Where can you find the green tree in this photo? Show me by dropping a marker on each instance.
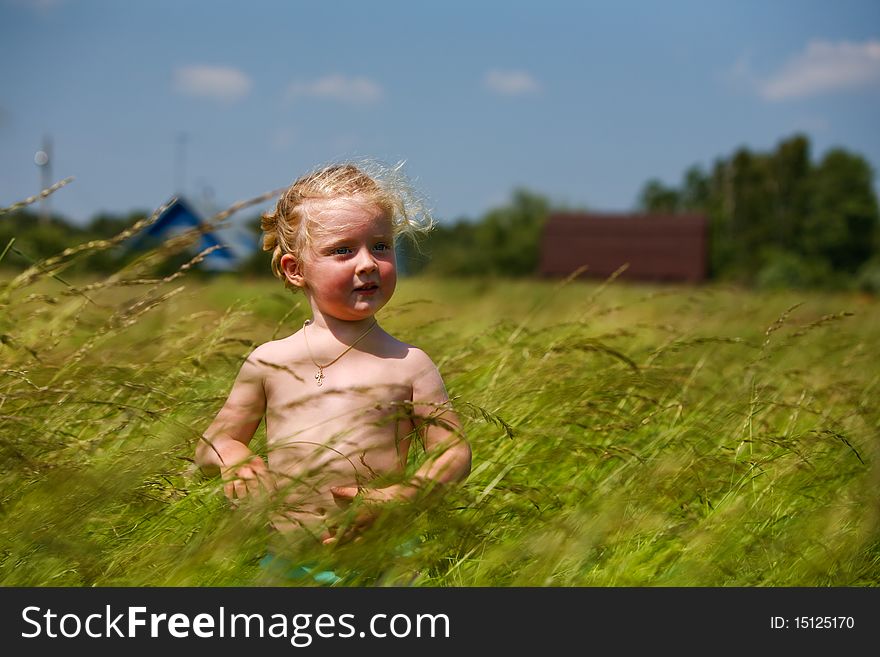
(842, 223)
(657, 198)
(505, 242)
(777, 219)
(790, 174)
(695, 189)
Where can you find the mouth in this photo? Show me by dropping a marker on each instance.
(366, 288)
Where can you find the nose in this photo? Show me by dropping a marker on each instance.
(365, 262)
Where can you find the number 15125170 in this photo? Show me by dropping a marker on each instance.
(824, 622)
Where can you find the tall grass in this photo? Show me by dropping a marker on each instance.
(623, 435)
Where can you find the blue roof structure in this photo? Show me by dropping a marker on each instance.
(180, 217)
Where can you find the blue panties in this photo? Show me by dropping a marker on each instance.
(293, 571)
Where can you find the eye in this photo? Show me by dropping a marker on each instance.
(341, 250)
(381, 246)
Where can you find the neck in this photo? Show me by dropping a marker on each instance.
(342, 329)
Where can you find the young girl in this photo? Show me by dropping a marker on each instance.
(341, 397)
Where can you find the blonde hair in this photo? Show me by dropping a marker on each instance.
(289, 227)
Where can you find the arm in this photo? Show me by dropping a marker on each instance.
(448, 452)
(223, 448)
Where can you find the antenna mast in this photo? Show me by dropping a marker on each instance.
(180, 164)
(43, 159)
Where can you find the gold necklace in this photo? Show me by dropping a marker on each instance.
(319, 375)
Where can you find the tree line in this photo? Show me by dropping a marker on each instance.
(27, 237)
(776, 219)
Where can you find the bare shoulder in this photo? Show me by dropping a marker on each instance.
(421, 371)
(414, 359)
(419, 360)
(275, 353)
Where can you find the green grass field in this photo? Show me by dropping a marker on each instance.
(623, 435)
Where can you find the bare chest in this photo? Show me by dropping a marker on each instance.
(361, 411)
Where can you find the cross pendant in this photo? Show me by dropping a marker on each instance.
(319, 376)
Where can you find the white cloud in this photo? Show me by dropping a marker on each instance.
(215, 82)
(356, 90)
(511, 83)
(825, 67)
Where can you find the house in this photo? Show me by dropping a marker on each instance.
(181, 216)
(655, 247)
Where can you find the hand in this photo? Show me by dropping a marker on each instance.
(249, 479)
(371, 502)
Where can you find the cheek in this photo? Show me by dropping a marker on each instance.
(388, 274)
(391, 285)
(326, 280)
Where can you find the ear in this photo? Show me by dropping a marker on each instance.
(292, 270)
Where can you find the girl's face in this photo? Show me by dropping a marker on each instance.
(350, 271)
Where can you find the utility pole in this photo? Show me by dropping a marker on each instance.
(208, 198)
(180, 164)
(43, 159)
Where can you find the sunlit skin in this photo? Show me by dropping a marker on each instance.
(349, 437)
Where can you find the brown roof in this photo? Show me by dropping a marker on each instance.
(656, 247)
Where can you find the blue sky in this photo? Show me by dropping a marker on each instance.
(580, 101)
